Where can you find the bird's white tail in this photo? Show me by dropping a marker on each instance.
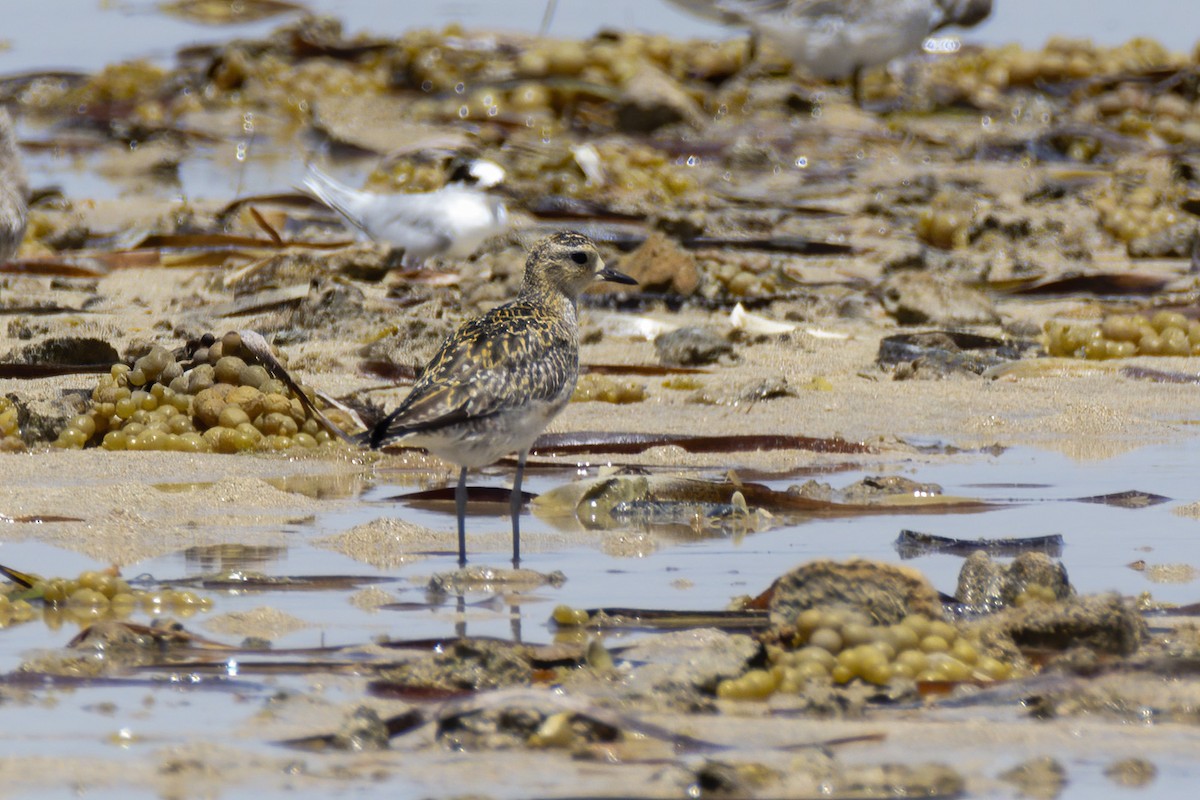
(337, 195)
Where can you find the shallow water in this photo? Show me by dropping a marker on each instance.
(701, 574)
(1101, 541)
(1039, 487)
(96, 33)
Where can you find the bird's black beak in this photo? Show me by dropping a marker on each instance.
(615, 276)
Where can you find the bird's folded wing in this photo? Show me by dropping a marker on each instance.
(415, 221)
(493, 364)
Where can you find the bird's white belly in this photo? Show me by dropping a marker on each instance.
(832, 47)
(478, 443)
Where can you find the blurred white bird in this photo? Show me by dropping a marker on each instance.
(838, 39)
(451, 221)
(14, 191)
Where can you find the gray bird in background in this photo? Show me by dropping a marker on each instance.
(838, 39)
(14, 191)
(452, 221)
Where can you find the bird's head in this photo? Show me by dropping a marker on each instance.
(568, 262)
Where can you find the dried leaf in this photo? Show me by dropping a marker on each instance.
(670, 619)
(33, 371)
(611, 442)
(397, 725)
(258, 346)
(1158, 376)
(1131, 498)
(224, 12)
(640, 369)
(1103, 284)
(911, 544)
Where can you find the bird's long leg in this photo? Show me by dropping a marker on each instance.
(856, 86)
(514, 507)
(460, 507)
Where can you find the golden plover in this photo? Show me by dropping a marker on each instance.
(499, 379)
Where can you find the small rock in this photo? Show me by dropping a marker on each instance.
(687, 661)
(329, 303)
(1041, 778)
(1102, 623)
(378, 123)
(67, 350)
(659, 265)
(41, 418)
(1132, 772)
(885, 592)
(652, 99)
(716, 779)
(1175, 241)
(766, 389)
(986, 585)
(813, 490)
(723, 395)
(363, 730)
(899, 780)
(869, 490)
(691, 346)
(467, 664)
(916, 298)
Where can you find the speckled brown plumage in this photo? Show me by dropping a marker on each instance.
(499, 379)
(14, 191)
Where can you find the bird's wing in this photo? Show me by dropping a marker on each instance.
(750, 10)
(417, 222)
(490, 364)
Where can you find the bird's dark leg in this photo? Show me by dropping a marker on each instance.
(856, 86)
(514, 507)
(460, 507)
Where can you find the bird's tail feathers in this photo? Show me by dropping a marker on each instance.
(335, 194)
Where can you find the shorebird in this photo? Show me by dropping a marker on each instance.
(14, 191)
(838, 39)
(452, 221)
(497, 381)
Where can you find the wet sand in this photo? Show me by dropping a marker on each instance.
(131, 507)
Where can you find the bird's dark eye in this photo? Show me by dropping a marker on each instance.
(579, 257)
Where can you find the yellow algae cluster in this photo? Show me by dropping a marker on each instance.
(297, 87)
(606, 389)
(469, 78)
(220, 404)
(15, 612)
(439, 61)
(10, 432)
(1131, 212)
(980, 72)
(1134, 111)
(1167, 333)
(841, 645)
(641, 171)
(138, 84)
(946, 223)
(737, 281)
(90, 596)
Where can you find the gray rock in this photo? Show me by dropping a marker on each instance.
(916, 298)
(691, 346)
